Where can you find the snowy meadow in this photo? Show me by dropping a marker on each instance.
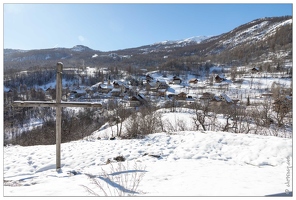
(181, 163)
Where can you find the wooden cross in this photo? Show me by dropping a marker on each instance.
(58, 104)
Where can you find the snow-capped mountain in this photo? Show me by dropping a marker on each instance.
(196, 39)
(257, 39)
(255, 31)
(81, 48)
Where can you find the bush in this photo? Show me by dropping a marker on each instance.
(145, 122)
(120, 181)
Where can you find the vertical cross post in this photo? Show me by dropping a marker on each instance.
(58, 114)
(58, 104)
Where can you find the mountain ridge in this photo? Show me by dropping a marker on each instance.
(253, 39)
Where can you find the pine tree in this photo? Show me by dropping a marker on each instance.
(248, 101)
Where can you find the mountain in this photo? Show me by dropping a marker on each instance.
(259, 40)
(178, 43)
(81, 48)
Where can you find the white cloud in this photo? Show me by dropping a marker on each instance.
(81, 38)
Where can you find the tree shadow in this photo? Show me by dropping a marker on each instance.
(118, 186)
(122, 188)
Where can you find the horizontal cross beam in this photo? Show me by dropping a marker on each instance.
(58, 104)
(54, 104)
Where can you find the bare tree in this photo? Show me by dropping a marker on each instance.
(120, 114)
(150, 121)
(201, 112)
(275, 90)
(145, 122)
(282, 108)
(132, 126)
(262, 113)
(233, 72)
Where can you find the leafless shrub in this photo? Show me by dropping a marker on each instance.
(121, 181)
(145, 122)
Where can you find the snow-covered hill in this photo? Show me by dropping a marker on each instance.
(81, 48)
(255, 32)
(196, 39)
(188, 163)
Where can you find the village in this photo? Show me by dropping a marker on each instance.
(162, 89)
(244, 101)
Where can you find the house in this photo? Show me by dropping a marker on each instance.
(161, 92)
(134, 82)
(116, 92)
(50, 93)
(138, 100)
(181, 96)
(219, 79)
(171, 95)
(49, 90)
(193, 81)
(156, 86)
(135, 101)
(104, 88)
(151, 86)
(176, 80)
(119, 88)
(78, 93)
(216, 100)
(161, 85)
(149, 78)
(207, 96)
(255, 69)
(226, 98)
(116, 84)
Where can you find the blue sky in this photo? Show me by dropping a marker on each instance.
(108, 27)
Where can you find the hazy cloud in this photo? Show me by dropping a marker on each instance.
(81, 38)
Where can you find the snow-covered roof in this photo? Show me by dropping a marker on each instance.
(221, 76)
(80, 91)
(227, 98)
(161, 90)
(193, 79)
(106, 86)
(216, 98)
(139, 97)
(116, 90)
(152, 84)
(161, 81)
(142, 96)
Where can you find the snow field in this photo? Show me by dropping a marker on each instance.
(190, 163)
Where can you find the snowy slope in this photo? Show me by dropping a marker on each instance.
(255, 32)
(196, 39)
(188, 163)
